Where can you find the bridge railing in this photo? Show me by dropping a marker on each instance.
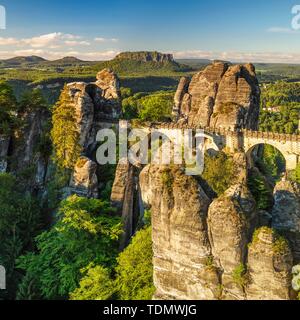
(225, 131)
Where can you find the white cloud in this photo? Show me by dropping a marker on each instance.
(51, 40)
(264, 57)
(8, 41)
(71, 36)
(43, 40)
(283, 30)
(99, 39)
(77, 43)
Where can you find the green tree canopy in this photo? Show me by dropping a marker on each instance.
(8, 108)
(135, 269)
(148, 107)
(20, 220)
(85, 233)
(31, 101)
(133, 275)
(65, 136)
(219, 172)
(97, 284)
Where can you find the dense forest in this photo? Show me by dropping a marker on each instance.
(280, 107)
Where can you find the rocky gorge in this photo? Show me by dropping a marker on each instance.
(206, 246)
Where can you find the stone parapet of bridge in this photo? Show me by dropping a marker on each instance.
(243, 140)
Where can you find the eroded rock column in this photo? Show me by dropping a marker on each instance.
(231, 221)
(270, 264)
(182, 254)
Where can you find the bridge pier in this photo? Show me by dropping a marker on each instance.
(291, 161)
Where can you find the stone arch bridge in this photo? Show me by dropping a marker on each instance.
(245, 140)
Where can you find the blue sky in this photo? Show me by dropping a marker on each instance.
(241, 30)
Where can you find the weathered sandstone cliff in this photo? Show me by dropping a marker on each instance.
(29, 156)
(125, 197)
(201, 247)
(96, 106)
(231, 221)
(222, 95)
(270, 265)
(84, 180)
(182, 253)
(286, 214)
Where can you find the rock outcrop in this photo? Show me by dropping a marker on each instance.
(29, 150)
(231, 221)
(286, 214)
(84, 181)
(270, 267)
(96, 106)
(182, 254)
(4, 145)
(84, 110)
(109, 84)
(125, 198)
(203, 249)
(146, 56)
(95, 103)
(222, 95)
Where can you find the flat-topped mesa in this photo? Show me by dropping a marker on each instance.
(146, 56)
(222, 95)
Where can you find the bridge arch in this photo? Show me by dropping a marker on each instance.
(254, 153)
(289, 149)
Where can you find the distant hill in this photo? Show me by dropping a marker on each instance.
(126, 63)
(39, 62)
(68, 62)
(146, 56)
(22, 61)
(144, 63)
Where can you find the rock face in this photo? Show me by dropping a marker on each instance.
(286, 214)
(28, 154)
(96, 106)
(270, 265)
(146, 56)
(231, 221)
(179, 95)
(203, 249)
(222, 95)
(84, 181)
(182, 253)
(125, 197)
(95, 103)
(4, 145)
(109, 83)
(84, 109)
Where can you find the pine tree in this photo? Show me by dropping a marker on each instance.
(65, 135)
